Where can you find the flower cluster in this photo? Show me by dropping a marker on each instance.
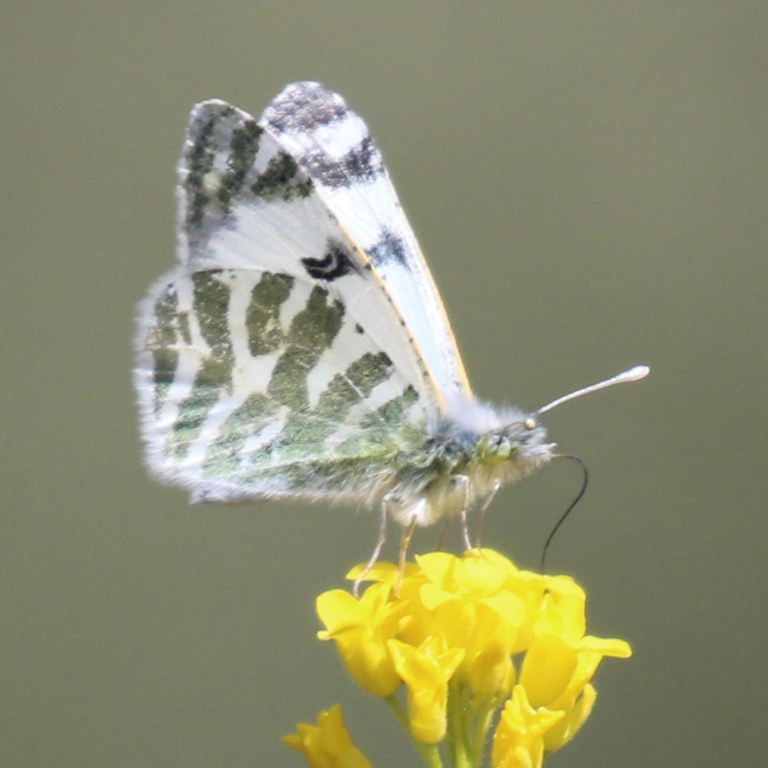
(478, 645)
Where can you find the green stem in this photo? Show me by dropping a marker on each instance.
(480, 735)
(457, 735)
(469, 720)
(429, 753)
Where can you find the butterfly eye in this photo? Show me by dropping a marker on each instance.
(500, 448)
(530, 423)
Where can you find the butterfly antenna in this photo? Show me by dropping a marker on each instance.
(576, 500)
(633, 374)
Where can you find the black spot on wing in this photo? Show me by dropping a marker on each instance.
(362, 164)
(302, 107)
(387, 249)
(335, 263)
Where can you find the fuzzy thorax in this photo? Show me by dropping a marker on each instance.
(470, 456)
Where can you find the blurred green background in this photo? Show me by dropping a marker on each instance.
(588, 181)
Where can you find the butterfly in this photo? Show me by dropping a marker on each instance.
(300, 348)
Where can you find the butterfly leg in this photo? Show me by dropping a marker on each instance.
(443, 532)
(376, 550)
(462, 481)
(405, 542)
(481, 513)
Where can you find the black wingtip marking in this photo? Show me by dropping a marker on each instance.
(362, 164)
(305, 106)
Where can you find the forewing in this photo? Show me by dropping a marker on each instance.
(244, 203)
(332, 144)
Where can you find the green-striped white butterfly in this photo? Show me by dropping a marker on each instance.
(300, 348)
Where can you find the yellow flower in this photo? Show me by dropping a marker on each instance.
(327, 744)
(426, 671)
(519, 739)
(361, 629)
(469, 636)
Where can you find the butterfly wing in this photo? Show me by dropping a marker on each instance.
(334, 146)
(272, 361)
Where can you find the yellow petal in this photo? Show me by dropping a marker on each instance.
(519, 737)
(547, 670)
(437, 567)
(361, 629)
(491, 672)
(327, 744)
(339, 611)
(426, 671)
(561, 733)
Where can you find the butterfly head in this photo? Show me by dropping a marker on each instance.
(523, 440)
(519, 442)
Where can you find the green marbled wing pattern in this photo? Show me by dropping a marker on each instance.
(256, 384)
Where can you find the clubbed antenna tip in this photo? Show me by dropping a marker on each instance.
(633, 374)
